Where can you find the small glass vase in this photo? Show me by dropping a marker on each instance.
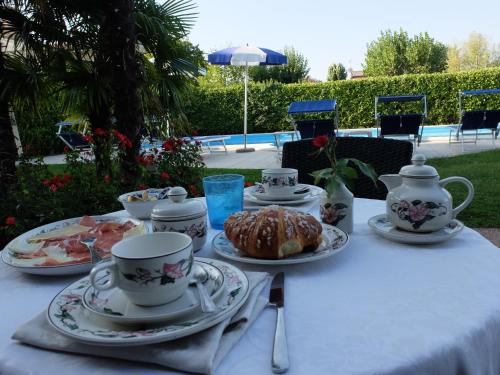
(337, 209)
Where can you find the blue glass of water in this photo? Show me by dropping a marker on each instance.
(224, 195)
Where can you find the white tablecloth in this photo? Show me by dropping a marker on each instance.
(377, 307)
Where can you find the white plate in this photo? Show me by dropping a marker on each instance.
(386, 229)
(254, 191)
(68, 316)
(114, 305)
(28, 265)
(334, 241)
(312, 196)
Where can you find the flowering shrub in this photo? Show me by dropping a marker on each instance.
(40, 197)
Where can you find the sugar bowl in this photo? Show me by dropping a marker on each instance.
(178, 214)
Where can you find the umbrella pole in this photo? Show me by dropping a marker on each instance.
(245, 108)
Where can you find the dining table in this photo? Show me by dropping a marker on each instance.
(376, 307)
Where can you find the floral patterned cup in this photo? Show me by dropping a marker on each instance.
(152, 269)
(279, 181)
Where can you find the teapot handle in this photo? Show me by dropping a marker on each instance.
(470, 193)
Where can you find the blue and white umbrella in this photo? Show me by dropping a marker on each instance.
(246, 56)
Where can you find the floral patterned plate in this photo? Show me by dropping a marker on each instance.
(257, 192)
(115, 306)
(311, 196)
(12, 259)
(334, 241)
(386, 229)
(67, 314)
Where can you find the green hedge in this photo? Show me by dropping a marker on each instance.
(219, 110)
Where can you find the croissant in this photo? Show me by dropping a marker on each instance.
(273, 232)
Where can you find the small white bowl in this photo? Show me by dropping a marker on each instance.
(140, 209)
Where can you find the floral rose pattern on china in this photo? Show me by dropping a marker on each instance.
(418, 212)
(192, 230)
(279, 181)
(332, 213)
(168, 274)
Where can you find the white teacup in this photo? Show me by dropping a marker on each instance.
(152, 269)
(280, 181)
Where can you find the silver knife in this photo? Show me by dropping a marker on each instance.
(280, 361)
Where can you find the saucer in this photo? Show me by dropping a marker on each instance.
(254, 190)
(114, 305)
(386, 229)
(312, 195)
(67, 315)
(334, 241)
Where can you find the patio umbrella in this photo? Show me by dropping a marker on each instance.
(246, 56)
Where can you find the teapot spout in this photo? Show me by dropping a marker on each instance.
(391, 180)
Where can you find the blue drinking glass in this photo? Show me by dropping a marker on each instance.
(224, 195)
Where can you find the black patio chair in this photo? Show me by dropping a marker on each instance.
(385, 155)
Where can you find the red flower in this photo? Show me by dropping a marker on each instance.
(192, 189)
(10, 220)
(53, 188)
(320, 141)
(88, 138)
(124, 140)
(248, 184)
(66, 149)
(66, 178)
(198, 143)
(165, 176)
(195, 132)
(141, 186)
(169, 145)
(100, 132)
(107, 179)
(46, 182)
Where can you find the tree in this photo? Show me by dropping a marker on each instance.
(336, 72)
(394, 53)
(295, 71)
(474, 53)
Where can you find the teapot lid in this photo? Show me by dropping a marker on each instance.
(178, 206)
(418, 169)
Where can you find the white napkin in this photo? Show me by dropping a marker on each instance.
(200, 353)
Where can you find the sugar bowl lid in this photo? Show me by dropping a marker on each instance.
(418, 169)
(177, 206)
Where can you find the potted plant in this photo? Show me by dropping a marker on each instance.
(337, 201)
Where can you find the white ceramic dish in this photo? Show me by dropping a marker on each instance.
(313, 194)
(28, 265)
(141, 209)
(386, 229)
(334, 241)
(255, 191)
(113, 305)
(68, 316)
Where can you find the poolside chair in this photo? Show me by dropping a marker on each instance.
(385, 155)
(311, 128)
(475, 122)
(74, 140)
(409, 124)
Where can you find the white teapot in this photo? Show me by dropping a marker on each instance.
(417, 200)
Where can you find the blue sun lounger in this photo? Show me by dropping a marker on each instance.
(74, 140)
(311, 128)
(474, 122)
(409, 124)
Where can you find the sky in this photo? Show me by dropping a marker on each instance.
(327, 32)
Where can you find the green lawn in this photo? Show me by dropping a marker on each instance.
(483, 169)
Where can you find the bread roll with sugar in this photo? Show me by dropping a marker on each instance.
(273, 232)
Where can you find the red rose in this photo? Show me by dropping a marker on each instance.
(107, 179)
(100, 132)
(165, 176)
(10, 220)
(66, 149)
(53, 188)
(248, 184)
(46, 182)
(320, 141)
(141, 186)
(198, 143)
(88, 138)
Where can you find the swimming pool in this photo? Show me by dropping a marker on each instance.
(237, 139)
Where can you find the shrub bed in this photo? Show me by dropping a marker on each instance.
(219, 110)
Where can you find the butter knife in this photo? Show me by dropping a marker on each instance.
(280, 361)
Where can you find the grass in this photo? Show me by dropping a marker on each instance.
(482, 169)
